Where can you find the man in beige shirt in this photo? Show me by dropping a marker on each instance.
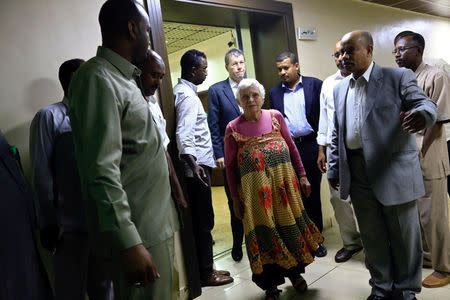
(434, 160)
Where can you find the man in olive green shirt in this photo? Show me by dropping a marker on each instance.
(121, 158)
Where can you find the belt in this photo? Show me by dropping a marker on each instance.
(305, 138)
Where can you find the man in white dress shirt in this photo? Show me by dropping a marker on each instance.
(196, 151)
(342, 208)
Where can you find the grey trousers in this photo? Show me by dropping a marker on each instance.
(343, 213)
(391, 238)
(78, 271)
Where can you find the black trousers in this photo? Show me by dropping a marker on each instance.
(236, 225)
(200, 201)
(309, 149)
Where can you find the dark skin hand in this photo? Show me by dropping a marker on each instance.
(198, 171)
(177, 191)
(139, 266)
(322, 159)
(305, 186)
(412, 122)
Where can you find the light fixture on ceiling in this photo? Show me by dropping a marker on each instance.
(232, 42)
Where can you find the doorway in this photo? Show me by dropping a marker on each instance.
(261, 28)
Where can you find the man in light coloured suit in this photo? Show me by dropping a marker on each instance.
(342, 208)
(433, 157)
(374, 159)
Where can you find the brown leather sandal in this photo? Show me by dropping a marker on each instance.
(299, 284)
(273, 294)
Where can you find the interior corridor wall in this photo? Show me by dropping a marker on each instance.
(333, 18)
(37, 36)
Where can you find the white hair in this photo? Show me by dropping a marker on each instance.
(247, 83)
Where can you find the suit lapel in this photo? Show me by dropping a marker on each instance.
(279, 99)
(341, 105)
(228, 91)
(373, 89)
(307, 94)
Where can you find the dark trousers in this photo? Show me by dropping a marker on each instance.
(78, 271)
(200, 201)
(236, 225)
(309, 149)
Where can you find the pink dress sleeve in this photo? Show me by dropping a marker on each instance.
(231, 167)
(295, 156)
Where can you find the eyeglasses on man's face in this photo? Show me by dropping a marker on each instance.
(402, 49)
(335, 55)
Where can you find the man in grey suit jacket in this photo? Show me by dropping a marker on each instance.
(374, 160)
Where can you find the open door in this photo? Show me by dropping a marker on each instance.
(266, 25)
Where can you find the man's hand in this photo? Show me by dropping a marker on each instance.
(220, 163)
(138, 266)
(334, 183)
(239, 208)
(49, 237)
(198, 171)
(322, 159)
(412, 122)
(200, 174)
(305, 185)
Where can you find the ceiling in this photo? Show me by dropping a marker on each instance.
(440, 8)
(180, 36)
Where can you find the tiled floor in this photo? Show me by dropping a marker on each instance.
(326, 279)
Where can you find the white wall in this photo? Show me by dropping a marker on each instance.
(334, 18)
(37, 36)
(214, 49)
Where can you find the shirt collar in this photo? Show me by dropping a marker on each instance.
(338, 75)
(420, 68)
(128, 70)
(151, 99)
(233, 83)
(366, 74)
(296, 88)
(188, 83)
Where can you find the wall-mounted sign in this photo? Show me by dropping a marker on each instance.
(306, 33)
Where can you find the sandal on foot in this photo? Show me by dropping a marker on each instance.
(273, 294)
(300, 284)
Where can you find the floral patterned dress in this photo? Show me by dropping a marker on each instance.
(277, 229)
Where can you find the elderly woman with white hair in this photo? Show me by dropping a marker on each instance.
(265, 175)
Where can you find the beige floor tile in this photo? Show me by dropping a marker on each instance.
(327, 280)
(342, 284)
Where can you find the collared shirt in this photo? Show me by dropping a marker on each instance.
(192, 131)
(295, 111)
(123, 167)
(436, 85)
(49, 126)
(159, 119)
(327, 109)
(356, 101)
(234, 87)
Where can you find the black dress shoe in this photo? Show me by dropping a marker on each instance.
(344, 254)
(375, 297)
(321, 251)
(236, 253)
